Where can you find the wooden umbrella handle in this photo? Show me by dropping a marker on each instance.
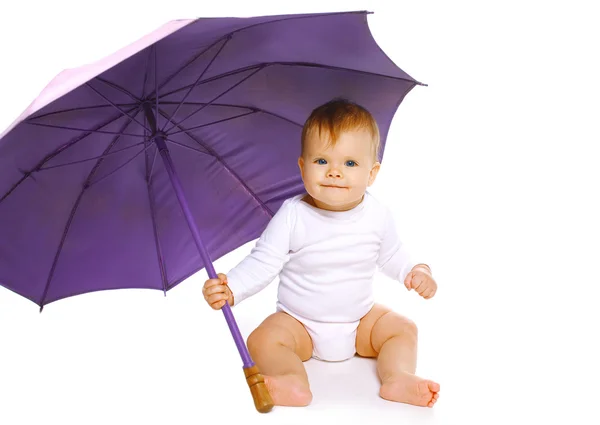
(258, 389)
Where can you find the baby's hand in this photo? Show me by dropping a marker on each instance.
(420, 280)
(216, 292)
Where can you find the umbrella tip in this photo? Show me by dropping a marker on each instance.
(41, 308)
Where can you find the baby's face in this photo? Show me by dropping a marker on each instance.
(337, 177)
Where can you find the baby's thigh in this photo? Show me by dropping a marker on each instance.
(379, 325)
(364, 348)
(282, 329)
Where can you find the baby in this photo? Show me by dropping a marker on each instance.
(326, 246)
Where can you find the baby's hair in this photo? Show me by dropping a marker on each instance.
(339, 115)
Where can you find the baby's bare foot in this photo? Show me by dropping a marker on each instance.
(409, 388)
(288, 390)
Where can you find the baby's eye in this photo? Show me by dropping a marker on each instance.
(351, 164)
(321, 161)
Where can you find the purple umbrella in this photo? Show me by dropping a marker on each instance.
(85, 205)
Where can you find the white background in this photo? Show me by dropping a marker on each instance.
(492, 171)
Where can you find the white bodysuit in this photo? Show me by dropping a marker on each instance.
(326, 261)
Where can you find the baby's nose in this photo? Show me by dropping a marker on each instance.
(334, 173)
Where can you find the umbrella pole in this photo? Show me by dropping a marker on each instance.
(255, 380)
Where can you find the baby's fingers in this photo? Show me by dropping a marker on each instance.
(218, 305)
(217, 301)
(212, 282)
(418, 283)
(427, 293)
(407, 280)
(213, 289)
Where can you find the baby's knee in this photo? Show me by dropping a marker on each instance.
(267, 336)
(400, 325)
(258, 338)
(409, 327)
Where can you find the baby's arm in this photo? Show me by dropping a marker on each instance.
(395, 262)
(266, 259)
(394, 259)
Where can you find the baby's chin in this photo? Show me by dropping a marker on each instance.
(336, 202)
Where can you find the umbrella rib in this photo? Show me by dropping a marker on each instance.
(161, 262)
(146, 68)
(157, 97)
(85, 186)
(188, 63)
(280, 117)
(62, 127)
(91, 159)
(117, 87)
(252, 108)
(56, 152)
(213, 122)
(215, 98)
(196, 82)
(228, 169)
(123, 165)
(342, 68)
(213, 104)
(187, 147)
(215, 78)
(153, 161)
(115, 106)
(83, 108)
(304, 64)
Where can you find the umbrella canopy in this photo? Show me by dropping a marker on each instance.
(85, 205)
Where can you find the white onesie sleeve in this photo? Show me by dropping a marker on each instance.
(266, 259)
(394, 259)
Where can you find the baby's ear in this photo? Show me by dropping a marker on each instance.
(301, 166)
(373, 173)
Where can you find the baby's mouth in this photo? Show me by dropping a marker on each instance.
(334, 186)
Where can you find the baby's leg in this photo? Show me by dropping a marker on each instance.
(392, 338)
(278, 346)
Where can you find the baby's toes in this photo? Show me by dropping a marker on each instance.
(434, 387)
(424, 388)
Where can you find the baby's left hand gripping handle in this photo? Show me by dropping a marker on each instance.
(258, 389)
